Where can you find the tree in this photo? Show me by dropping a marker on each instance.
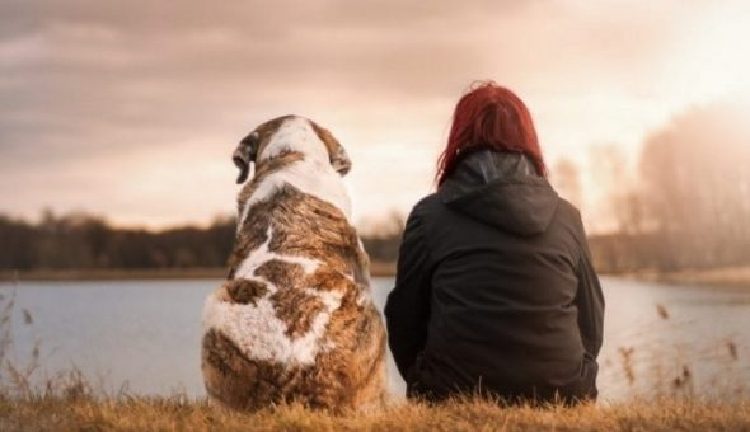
(619, 200)
(565, 175)
(695, 174)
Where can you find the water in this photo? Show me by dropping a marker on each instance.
(144, 336)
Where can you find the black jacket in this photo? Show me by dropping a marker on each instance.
(495, 290)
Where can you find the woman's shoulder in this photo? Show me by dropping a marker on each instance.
(569, 215)
(568, 210)
(427, 205)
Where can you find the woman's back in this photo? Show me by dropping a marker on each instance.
(503, 252)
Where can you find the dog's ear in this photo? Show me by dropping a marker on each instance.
(245, 153)
(340, 160)
(336, 153)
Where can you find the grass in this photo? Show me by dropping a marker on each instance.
(179, 414)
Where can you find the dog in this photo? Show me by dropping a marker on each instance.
(295, 320)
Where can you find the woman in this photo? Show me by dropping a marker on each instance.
(495, 291)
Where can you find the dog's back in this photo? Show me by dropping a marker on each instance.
(295, 319)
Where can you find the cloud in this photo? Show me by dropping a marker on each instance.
(87, 86)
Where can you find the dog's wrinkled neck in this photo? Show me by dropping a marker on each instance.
(263, 169)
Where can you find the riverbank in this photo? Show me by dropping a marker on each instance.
(726, 277)
(172, 414)
(376, 269)
(732, 277)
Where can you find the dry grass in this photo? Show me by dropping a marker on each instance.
(178, 414)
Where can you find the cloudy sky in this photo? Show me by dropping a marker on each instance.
(131, 109)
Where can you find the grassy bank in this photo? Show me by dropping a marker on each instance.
(734, 277)
(378, 269)
(726, 277)
(112, 274)
(177, 414)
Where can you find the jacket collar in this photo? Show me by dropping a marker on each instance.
(501, 189)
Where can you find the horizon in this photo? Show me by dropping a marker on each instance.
(131, 111)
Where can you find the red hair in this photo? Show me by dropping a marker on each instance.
(490, 116)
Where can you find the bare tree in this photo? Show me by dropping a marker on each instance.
(619, 199)
(566, 178)
(695, 174)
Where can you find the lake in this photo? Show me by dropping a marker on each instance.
(144, 336)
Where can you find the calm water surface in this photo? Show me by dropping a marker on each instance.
(144, 336)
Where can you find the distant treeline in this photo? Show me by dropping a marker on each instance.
(685, 206)
(87, 242)
(80, 241)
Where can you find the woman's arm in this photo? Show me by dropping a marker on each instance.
(407, 310)
(590, 303)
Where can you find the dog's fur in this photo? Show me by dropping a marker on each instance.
(295, 319)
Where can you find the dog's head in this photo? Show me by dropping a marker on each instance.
(289, 132)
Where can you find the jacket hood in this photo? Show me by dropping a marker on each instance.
(501, 189)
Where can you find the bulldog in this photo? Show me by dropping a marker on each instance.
(295, 320)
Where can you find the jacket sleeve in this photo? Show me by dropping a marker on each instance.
(590, 303)
(407, 310)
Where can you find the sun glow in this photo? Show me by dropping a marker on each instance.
(143, 138)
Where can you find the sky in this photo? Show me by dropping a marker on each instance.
(131, 109)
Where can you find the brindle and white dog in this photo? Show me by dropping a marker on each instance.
(295, 319)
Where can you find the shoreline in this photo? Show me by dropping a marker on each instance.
(723, 277)
(728, 277)
(377, 269)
